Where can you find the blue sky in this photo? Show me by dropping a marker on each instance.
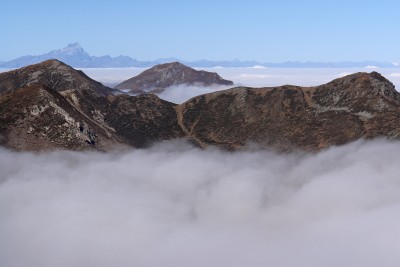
(274, 30)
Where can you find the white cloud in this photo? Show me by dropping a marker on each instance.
(175, 205)
(182, 93)
(258, 67)
(253, 77)
(256, 76)
(342, 74)
(112, 76)
(371, 67)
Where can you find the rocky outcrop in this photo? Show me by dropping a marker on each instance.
(162, 76)
(39, 118)
(361, 105)
(52, 106)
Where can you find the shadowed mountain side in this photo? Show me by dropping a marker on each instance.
(38, 118)
(361, 105)
(137, 121)
(162, 76)
(142, 119)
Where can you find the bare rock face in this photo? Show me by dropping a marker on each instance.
(50, 105)
(286, 118)
(162, 76)
(38, 118)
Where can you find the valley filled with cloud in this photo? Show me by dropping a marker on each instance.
(176, 205)
(252, 77)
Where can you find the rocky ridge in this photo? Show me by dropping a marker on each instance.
(40, 103)
(52, 106)
(362, 105)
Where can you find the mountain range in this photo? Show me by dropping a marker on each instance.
(75, 56)
(51, 105)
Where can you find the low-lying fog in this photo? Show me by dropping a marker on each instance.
(253, 77)
(175, 205)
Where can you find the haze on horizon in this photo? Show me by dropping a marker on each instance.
(268, 31)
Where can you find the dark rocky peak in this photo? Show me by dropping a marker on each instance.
(52, 74)
(169, 69)
(162, 76)
(171, 65)
(385, 87)
(364, 83)
(359, 91)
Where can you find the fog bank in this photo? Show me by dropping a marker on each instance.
(182, 93)
(252, 77)
(175, 205)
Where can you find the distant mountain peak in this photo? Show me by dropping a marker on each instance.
(73, 54)
(74, 47)
(71, 50)
(162, 76)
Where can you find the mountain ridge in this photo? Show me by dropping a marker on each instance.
(287, 118)
(47, 114)
(73, 54)
(108, 119)
(63, 77)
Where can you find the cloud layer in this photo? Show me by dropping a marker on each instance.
(182, 93)
(253, 77)
(175, 205)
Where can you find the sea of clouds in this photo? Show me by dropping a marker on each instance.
(253, 77)
(175, 205)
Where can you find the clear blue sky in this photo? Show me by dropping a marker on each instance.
(269, 30)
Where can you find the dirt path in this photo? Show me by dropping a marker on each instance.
(189, 134)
